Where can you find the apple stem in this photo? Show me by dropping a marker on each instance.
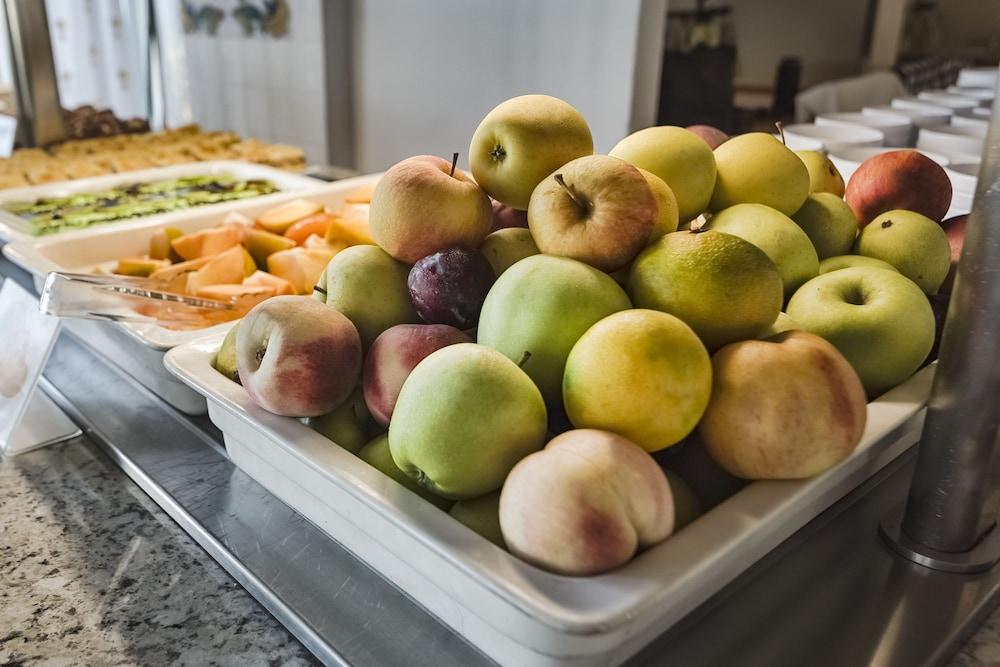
(319, 289)
(524, 359)
(454, 161)
(577, 199)
(781, 132)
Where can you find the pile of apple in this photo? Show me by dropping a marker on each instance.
(521, 377)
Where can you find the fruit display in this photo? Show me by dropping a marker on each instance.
(50, 215)
(284, 251)
(83, 157)
(576, 355)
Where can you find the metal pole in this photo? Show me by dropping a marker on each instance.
(952, 506)
(39, 115)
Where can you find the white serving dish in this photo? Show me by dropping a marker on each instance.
(918, 117)
(515, 613)
(971, 121)
(13, 228)
(917, 103)
(978, 77)
(897, 129)
(945, 99)
(139, 348)
(800, 143)
(976, 93)
(950, 140)
(857, 135)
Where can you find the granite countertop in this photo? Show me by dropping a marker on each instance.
(92, 572)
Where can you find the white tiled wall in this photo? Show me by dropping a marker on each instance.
(259, 86)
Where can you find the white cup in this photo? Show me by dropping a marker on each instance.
(897, 129)
(952, 141)
(858, 135)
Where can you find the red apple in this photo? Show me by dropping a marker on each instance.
(297, 357)
(713, 136)
(393, 355)
(955, 229)
(506, 216)
(904, 179)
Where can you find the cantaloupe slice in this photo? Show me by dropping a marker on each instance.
(159, 242)
(280, 285)
(226, 268)
(232, 293)
(262, 243)
(181, 268)
(351, 226)
(249, 265)
(279, 219)
(207, 242)
(140, 266)
(306, 227)
(299, 266)
(362, 195)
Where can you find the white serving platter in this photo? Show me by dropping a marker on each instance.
(515, 613)
(139, 348)
(13, 228)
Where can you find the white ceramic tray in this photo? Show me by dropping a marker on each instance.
(13, 228)
(512, 611)
(139, 348)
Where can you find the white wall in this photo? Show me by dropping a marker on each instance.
(427, 72)
(259, 86)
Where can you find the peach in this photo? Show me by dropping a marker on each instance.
(904, 179)
(585, 504)
(506, 216)
(787, 407)
(296, 357)
(393, 355)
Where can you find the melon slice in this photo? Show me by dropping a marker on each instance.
(207, 242)
(249, 265)
(351, 226)
(301, 267)
(280, 285)
(226, 268)
(279, 219)
(243, 295)
(362, 195)
(181, 268)
(306, 227)
(159, 243)
(262, 244)
(141, 267)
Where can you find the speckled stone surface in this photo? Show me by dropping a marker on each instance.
(92, 572)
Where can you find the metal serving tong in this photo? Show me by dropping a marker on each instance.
(126, 299)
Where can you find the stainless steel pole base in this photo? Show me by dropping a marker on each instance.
(983, 556)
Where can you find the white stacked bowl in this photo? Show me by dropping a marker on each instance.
(915, 103)
(953, 141)
(918, 116)
(857, 135)
(978, 77)
(897, 129)
(949, 100)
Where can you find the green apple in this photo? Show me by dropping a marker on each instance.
(723, 287)
(680, 157)
(640, 373)
(829, 223)
(597, 209)
(756, 168)
(687, 507)
(350, 425)
(225, 359)
(505, 247)
(481, 515)
(376, 454)
(667, 217)
(523, 140)
(847, 261)
(823, 175)
(913, 243)
(539, 308)
(465, 416)
(368, 286)
(880, 320)
(424, 204)
(773, 232)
